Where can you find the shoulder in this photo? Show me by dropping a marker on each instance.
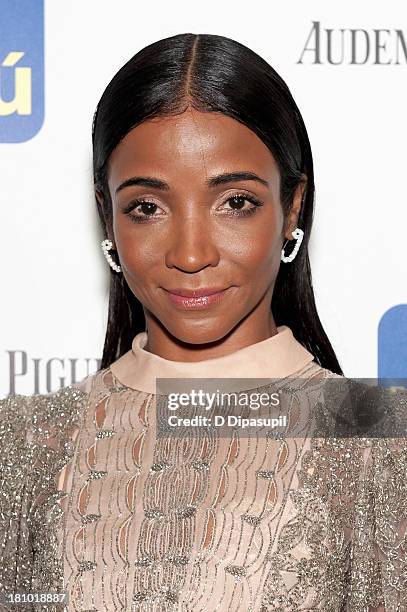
(32, 417)
(41, 415)
(37, 433)
(370, 409)
(357, 412)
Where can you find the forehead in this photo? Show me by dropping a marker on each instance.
(192, 143)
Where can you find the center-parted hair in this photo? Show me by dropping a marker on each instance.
(212, 73)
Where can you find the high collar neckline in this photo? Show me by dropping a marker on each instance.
(278, 356)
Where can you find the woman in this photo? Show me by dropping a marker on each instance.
(204, 185)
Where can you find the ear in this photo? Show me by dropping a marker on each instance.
(292, 220)
(102, 212)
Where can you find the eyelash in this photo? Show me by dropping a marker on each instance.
(236, 213)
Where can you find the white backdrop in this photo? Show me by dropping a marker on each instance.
(54, 277)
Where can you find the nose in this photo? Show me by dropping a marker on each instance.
(192, 246)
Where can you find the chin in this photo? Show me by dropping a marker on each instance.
(199, 332)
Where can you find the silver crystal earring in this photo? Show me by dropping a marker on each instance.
(106, 246)
(298, 234)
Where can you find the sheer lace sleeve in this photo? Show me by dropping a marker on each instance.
(378, 579)
(343, 545)
(17, 457)
(37, 442)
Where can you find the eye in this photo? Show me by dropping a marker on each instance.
(146, 210)
(240, 201)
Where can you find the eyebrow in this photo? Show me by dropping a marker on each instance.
(214, 181)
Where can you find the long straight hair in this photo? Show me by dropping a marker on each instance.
(212, 73)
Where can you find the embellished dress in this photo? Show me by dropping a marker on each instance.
(95, 504)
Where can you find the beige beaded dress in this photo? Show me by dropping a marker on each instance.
(93, 503)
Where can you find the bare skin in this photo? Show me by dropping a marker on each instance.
(191, 236)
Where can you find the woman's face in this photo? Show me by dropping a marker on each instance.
(209, 217)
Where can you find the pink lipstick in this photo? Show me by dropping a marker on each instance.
(196, 299)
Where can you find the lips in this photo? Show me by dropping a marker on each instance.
(195, 299)
(196, 293)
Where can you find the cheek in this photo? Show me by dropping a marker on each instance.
(138, 254)
(259, 253)
(140, 258)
